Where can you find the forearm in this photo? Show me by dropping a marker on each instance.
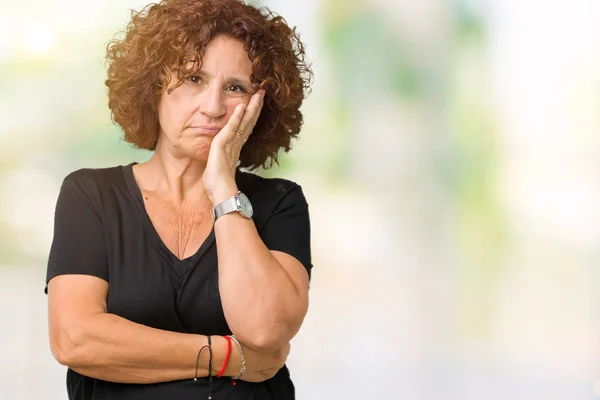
(111, 348)
(261, 304)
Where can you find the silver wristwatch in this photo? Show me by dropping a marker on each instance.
(238, 202)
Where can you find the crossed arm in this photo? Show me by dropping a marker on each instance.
(87, 339)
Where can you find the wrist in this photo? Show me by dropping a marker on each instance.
(234, 365)
(243, 363)
(219, 350)
(223, 193)
(219, 347)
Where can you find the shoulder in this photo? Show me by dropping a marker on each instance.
(94, 184)
(271, 196)
(95, 176)
(271, 190)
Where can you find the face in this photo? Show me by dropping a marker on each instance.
(193, 113)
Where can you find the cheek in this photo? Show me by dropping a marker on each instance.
(174, 110)
(232, 103)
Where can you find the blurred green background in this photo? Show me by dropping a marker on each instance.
(451, 159)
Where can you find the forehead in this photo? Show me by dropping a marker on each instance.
(226, 56)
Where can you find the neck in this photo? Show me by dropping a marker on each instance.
(179, 179)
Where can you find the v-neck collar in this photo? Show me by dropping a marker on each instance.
(179, 266)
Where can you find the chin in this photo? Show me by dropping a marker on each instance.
(199, 152)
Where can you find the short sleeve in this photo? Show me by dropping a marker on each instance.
(288, 227)
(78, 245)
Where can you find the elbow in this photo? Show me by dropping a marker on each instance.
(261, 340)
(267, 343)
(273, 333)
(64, 346)
(274, 338)
(61, 352)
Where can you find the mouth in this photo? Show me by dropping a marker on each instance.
(205, 130)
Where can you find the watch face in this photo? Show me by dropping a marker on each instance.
(245, 205)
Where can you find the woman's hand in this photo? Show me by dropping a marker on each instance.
(262, 365)
(219, 175)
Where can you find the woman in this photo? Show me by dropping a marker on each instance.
(184, 277)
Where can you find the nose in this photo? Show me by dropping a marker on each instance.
(211, 102)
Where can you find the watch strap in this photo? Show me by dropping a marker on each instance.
(225, 207)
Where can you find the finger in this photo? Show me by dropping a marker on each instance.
(233, 124)
(251, 115)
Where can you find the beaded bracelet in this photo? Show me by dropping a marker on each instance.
(242, 358)
(227, 355)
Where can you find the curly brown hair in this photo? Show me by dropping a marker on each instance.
(159, 40)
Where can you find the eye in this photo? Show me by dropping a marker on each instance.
(237, 89)
(194, 79)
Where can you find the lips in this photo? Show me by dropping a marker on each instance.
(205, 129)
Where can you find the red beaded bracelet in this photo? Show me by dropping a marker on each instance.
(227, 355)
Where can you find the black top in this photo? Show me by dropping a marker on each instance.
(101, 228)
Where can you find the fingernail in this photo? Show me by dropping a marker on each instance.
(261, 93)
